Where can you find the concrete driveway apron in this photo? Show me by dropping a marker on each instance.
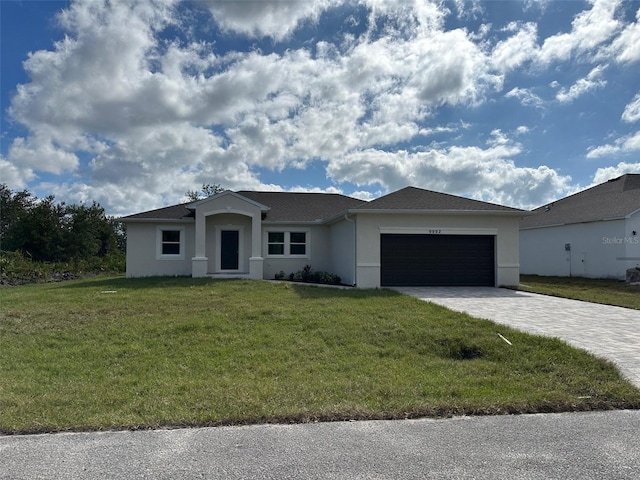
(607, 331)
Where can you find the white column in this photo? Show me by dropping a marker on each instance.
(256, 262)
(199, 263)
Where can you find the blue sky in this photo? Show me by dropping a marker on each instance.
(132, 103)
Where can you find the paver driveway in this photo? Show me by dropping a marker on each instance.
(610, 332)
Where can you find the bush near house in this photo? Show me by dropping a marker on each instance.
(308, 275)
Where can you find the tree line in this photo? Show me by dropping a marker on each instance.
(45, 230)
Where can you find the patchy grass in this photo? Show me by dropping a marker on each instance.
(606, 291)
(142, 353)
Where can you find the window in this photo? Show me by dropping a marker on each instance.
(276, 243)
(298, 243)
(287, 243)
(170, 242)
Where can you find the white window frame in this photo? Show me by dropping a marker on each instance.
(284, 243)
(291, 243)
(169, 228)
(287, 242)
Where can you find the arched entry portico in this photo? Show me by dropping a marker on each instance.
(228, 239)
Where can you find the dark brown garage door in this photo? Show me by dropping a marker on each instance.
(437, 260)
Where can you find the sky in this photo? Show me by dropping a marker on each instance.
(133, 103)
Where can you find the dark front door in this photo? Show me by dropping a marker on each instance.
(229, 243)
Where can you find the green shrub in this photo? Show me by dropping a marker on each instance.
(308, 275)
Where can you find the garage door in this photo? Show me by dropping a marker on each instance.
(437, 260)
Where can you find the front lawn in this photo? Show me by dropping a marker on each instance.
(109, 353)
(607, 291)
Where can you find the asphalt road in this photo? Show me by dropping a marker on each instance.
(595, 445)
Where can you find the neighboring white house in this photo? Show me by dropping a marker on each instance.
(409, 237)
(594, 233)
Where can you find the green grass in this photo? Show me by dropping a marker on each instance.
(606, 291)
(110, 353)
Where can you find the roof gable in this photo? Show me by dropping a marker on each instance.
(617, 198)
(227, 193)
(412, 198)
(302, 207)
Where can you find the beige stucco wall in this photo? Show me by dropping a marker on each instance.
(370, 227)
(142, 258)
(342, 250)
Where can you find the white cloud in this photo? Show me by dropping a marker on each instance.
(632, 110)
(607, 173)
(373, 94)
(526, 97)
(511, 53)
(626, 144)
(365, 195)
(437, 130)
(468, 9)
(591, 82)
(40, 153)
(486, 174)
(593, 34)
(603, 151)
(96, 78)
(590, 29)
(302, 189)
(625, 46)
(540, 5)
(159, 116)
(631, 143)
(498, 138)
(277, 19)
(14, 177)
(118, 200)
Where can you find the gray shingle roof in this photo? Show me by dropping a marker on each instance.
(174, 212)
(616, 198)
(283, 207)
(310, 207)
(412, 198)
(302, 207)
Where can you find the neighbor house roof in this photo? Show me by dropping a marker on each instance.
(412, 198)
(614, 199)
